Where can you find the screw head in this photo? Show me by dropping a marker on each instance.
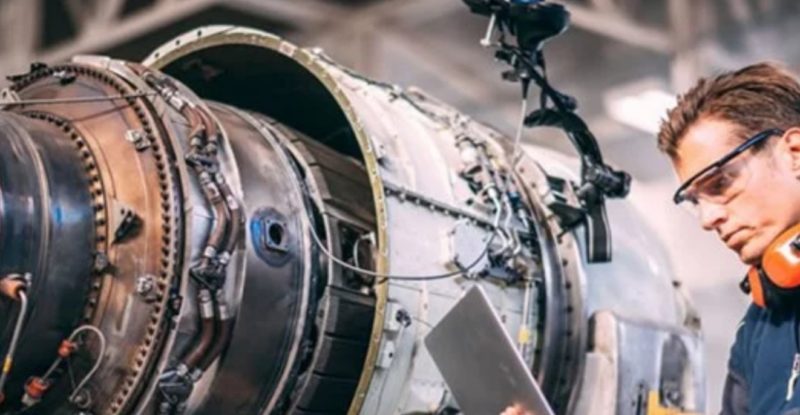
(144, 284)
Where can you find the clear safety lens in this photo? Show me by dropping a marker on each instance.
(718, 186)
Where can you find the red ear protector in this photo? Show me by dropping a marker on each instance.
(776, 282)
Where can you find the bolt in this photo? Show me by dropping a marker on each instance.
(101, 262)
(674, 396)
(403, 317)
(144, 285)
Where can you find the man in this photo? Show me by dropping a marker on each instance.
(734, 142)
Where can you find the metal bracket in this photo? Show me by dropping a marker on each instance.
(65, 77)
(560, 199)
(127, 223)
(144, 287)
(8, 96)
(274, 236)
(138, 138)
(101, 262)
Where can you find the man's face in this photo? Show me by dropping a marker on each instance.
(769, 200)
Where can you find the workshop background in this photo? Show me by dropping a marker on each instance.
(622, 59)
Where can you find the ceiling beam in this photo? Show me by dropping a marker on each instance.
(161, 14)
(303, 13)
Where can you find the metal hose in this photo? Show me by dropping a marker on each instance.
(8, 362)
(101, 353)
(207, 335)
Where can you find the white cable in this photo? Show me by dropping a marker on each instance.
(97, 362)
(371, 273)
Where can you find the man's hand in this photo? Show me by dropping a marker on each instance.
(516, 410)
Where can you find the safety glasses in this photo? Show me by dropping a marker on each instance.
(722, 180)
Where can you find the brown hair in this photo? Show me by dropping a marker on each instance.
(756, 97)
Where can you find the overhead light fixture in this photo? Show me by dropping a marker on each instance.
(641, 104)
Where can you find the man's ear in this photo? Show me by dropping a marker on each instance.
(791, 139)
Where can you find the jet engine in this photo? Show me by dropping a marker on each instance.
(241, 226)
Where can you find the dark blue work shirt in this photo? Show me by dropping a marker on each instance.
(760, 365)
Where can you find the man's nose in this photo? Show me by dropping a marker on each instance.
(711, 214)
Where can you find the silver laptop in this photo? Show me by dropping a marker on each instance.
(480, 362)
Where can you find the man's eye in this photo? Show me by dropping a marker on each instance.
(717, 184)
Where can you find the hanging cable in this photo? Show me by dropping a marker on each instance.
(385, 277)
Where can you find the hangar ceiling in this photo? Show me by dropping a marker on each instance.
(613, 44)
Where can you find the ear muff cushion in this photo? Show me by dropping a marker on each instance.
(766, 294)
(781, 260)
